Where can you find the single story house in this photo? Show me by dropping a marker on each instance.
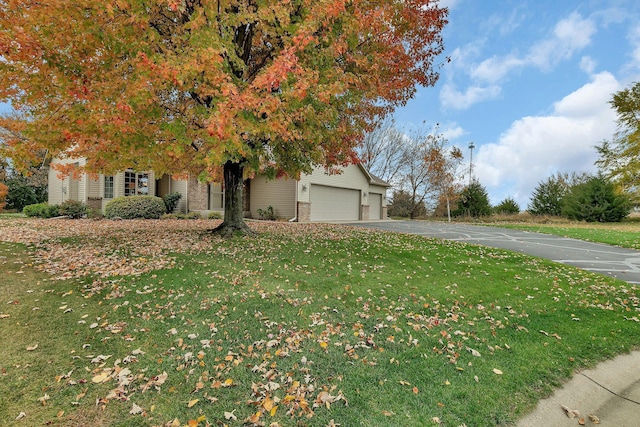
(352, 195)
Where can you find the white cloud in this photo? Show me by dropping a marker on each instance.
(634, 40)
(588, 64)
(496, 68)
(570, 35)
(453, 131)
(535, 147)
(450, 97)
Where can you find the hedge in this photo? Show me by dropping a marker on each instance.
(134, 207)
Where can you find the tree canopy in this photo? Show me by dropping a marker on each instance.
(209, 86)
(620, 157)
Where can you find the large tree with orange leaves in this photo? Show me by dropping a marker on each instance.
(215, 88)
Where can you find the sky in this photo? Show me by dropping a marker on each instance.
(529, 83)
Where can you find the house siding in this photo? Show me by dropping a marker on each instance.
(279, 194)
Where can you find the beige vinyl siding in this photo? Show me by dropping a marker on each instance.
(278, 193)
(180, 186)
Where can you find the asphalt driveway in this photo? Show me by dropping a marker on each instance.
(616, 262)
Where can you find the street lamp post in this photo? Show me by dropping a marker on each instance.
(471, 147)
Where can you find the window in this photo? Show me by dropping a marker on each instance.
(136, 184)
(108, 187)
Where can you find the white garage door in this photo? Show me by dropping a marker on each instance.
(375, 206)
(332, 203)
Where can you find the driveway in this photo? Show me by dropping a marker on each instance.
(616, 262)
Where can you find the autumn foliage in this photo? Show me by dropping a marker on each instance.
(194, 85)
(4, 190)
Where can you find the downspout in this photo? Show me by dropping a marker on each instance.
(295, 205)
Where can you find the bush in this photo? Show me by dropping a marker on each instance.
(41, 210)
(267, 214)
(507, 207)
(596, 201)
(132, 207)
(73, 209)
(474, 202)
(171, 201)
(215, 215)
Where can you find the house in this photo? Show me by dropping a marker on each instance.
(352, 195)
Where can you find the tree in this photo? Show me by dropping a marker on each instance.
(548, 197)
(507, 207)
(443, 164)
(217, 89)
(596, 201)
(620, 158)
(4, 190)
(419, 164)
(403, 205)
(383, 150)
(473, 202)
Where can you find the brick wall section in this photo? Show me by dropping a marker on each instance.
(304, 212)
(197, 195)
(364, 212)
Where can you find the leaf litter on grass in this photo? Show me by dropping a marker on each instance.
(229, 342)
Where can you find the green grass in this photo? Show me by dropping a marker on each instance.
(626, 234)
(323, 322)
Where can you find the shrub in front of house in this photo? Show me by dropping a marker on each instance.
(41, 210)
(135, 207)
(214, 215)
(171, 201)
(73, 209)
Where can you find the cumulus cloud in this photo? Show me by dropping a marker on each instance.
(450, 97)
(535, 147)
(570, 35)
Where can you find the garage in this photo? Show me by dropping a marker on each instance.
(375, 206)
(334, 204)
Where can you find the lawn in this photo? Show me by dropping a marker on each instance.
(157, 323)
(623, 234)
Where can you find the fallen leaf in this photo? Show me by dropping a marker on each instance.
(388, 413)
(32, 347)
(102, 377)
(192, 403)
(136, 410)
(20, 416)
(415, 390)
(230, 416)
(581, 421)
(571, 413)
(497, 371)
(594, 419)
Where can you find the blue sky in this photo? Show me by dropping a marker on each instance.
(529, 83)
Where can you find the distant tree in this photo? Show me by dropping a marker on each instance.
(620, 157)
(383, 149)
(473, 201)
(548, 197)
(443, 164)
(508, 206)
(404, 206)
(596, 201)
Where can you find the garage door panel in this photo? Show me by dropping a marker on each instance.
(333, 203)
(375, 206)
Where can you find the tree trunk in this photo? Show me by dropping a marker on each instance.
(233, 222)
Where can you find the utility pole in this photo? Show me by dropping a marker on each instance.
(471, 147)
